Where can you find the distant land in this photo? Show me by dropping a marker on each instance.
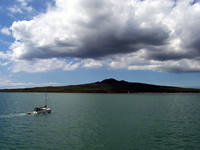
(108, 86)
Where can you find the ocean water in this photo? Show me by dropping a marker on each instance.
(100, 122)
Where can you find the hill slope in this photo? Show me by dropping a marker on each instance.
(108, 86)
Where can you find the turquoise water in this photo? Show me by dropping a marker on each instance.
(101, 122)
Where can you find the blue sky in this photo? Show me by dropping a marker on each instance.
(62, 42)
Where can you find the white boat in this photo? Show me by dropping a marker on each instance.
(44, 109)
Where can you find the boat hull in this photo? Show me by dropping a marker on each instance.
(44, 111)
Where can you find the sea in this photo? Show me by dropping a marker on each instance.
(100, 122)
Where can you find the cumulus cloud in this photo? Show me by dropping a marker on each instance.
(87, 29)
(133, 34)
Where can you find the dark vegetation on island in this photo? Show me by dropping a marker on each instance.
(108, 86)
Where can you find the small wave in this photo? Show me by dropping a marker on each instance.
(13, 115)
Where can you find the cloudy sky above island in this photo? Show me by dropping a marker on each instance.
(59, 42)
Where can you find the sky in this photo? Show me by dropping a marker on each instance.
(64, 42)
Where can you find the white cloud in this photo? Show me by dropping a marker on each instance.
(44, 65)
(5, 31)
(41, 65)
(71, 66)
(22, 7)
(91, 63)
(8, 83)
(3, 55)
(86, 29)
(15, 9)
(151, 34)
(135, 61)
(23, 2)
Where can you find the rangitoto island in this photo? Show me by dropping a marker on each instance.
(108, 86)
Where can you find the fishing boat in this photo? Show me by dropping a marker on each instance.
(41, 110)
(44, 109)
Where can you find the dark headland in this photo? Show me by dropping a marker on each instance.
(108, 86)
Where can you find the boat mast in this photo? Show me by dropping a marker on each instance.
(46, 99)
